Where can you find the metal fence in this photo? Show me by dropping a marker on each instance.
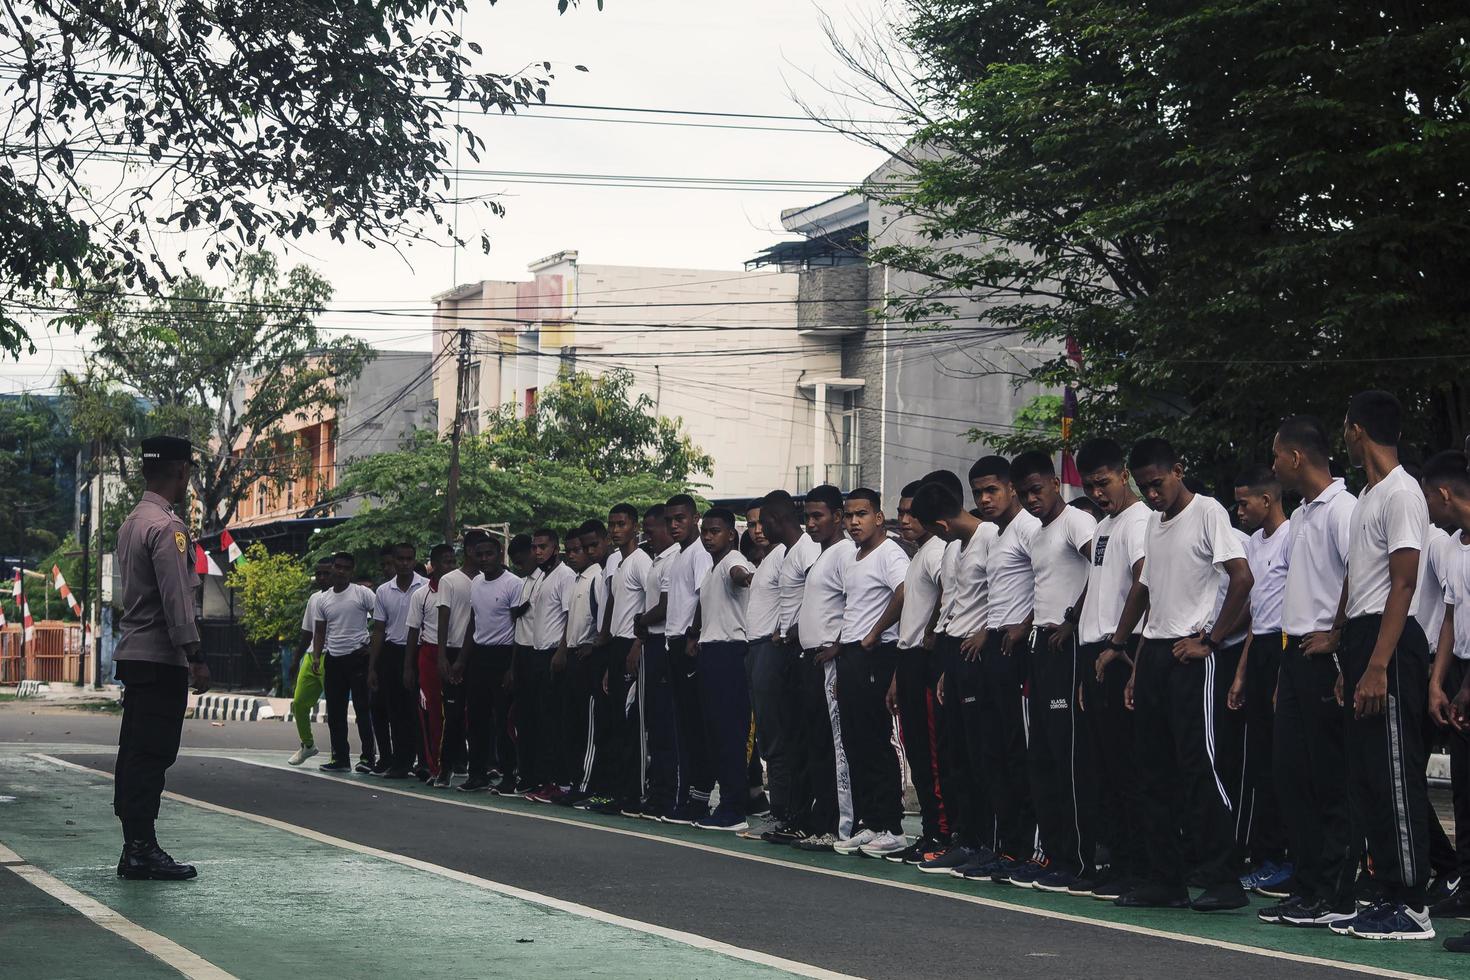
(53, 654)
(234, 664)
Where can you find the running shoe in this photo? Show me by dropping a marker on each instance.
(1083, 887)
(1368, 892)
(946, 861)
(1054, 881)
(1154, 897)
(1442, 888)
(336, 766)
(1111, 887)
(854, 844)
(1454, 905)
(302, 754)
(543, 794)
(1275, 914)
(884, 844)
(816, 842)
(1249, 879)
(1344, 927)
(722, 819)
(631, 808)
(397, 774)
(592, 803)
(380, 768)
(1275, 880)
(475, 784)
(783, 833)
(1221, 898)
(606, 807)
(441, 781)
(1458, 944)
(915, 853)
(758, 806)
(364, 766)
(686, 814)
(1315, 915)
(1028, 874)
(1004, 866)
(1397, 921)
(978, 870)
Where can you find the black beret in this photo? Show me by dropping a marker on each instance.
(167, 448)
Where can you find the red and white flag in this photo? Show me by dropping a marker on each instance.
(65, 591)
(232, 549)
(204, 564)
(28, 625)
(15, 589)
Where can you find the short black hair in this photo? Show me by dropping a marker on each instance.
(1152, 451)
(626, 509)
(156, 469)
(1307, 435)
(474, 536)
(871, 496)
(933, 503)
(1379, 414)
(1260, 479)
(827, 495)
(593, 526)
(1032, 463)
(683, 500)
(519, 545)
(345, 556)
(721, 514)
(440, 549)
(404, 546)
(778, 507)
(656, 513)
(751, 505)
(386, 551)
(546, 532)
(1449, 468)
(990, 466)
(909, 488)
(1100, 454)
(947, 480)
(324, 560)
(1195, 485)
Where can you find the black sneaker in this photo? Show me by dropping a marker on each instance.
(1368, 892)
(1458, 944)
(1441, 888)
(1275, 914)
(422, 774)
(381, 767)
(783, 833)
(475, 784)
(1084, 887)
(364, 766)
(1154, 897)
(1221, 898)
(631, 808)
(914, 853)
(1318, 914)
(146, 861)
(397, 774)
(462, 769)
(442, 780)
(606, 807)
(1452, 906)
(336, 765)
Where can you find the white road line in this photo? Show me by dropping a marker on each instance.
(378, 787)
(547, 901)
(160, 947)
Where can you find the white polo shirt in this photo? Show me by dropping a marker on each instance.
(763, 613)
(723, 605)
(346, 614)
(792, 580)
(390, 607)
(1457, 594)
(1239, 634)
(629, 595)
(690, 567)
(1318, 561)
(454, 595)
(920, 593)
(1057, 555)
(1008, 568)
(492, 601)
(969, 611)
(1117, 545)
(423, 614)
(551, 603)
(1183, 558)
(589, 599)
(869, 583)
(1429, 591)
(823, 601)
(656, 583)
(1269, 559)
(523, 624)
(1390, 516)
(308, 615)
(949, 566)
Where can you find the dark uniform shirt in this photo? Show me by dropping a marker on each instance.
(158, 582)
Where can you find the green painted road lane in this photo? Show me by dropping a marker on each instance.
(271, 904)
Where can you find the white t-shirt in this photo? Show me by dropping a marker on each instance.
(390, 607)
(523, 624)
(722, 603)
(589, 599)
(1008, 568)
(346, 614)
(792, 581)
(308, 615)
(1390, 516)
(1319, 550)
(1457, 594)
(454, 595)
(629, 597)
(1239, 634)
(1061, 567)
(690, 567)
(492, 601)
(423, 613)
(1117, 545)
(551, 602)
(969, 612)
(920, 593)
(1183, 558)
(763, 613)
(949, 566)
(656, 583)
(610, 567)
(1433, 584)
(820, 622)
(869, 583)
(1269, 559)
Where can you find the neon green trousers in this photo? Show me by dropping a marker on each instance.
(308, 693)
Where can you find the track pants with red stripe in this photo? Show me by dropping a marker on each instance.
(918, 721)
(431, 706)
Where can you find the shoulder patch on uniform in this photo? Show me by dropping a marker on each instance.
(181, 541)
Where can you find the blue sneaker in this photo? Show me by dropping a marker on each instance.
(1364, 915)
(1395, 922)
(1027, 875)
(1059, 881)
(1274, 880)
(1249, 879)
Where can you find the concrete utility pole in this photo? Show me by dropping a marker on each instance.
(451, 495)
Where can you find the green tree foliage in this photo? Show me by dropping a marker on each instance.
(229, 368)
(132, 124)
(1238, 211)
(37, 469)
(272, 591)
(596, 422)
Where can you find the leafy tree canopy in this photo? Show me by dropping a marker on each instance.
(37, 472)
(272, 590)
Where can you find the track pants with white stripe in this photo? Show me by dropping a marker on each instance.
(1002, 719)
(1060, 758)
(1388, 789)
(1174, 728)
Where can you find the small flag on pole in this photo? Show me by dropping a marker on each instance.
(232, 549)
(27, 624)
(15, 589)
(65, 591)
(204, 563)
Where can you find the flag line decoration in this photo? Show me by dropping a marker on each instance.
(65, 591)
(15, 589)
(28, 625)
(204, 563)
(232, 549)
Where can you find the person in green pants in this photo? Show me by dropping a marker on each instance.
(308, 668)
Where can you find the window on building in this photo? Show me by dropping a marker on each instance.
(469, 401)
(530, 402)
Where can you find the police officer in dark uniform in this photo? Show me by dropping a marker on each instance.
(157, 655)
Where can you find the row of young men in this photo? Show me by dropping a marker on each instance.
(1069, 692)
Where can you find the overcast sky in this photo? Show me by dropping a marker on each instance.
(673, 54)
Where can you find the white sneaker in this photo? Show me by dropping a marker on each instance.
(884, 844)
(302, 754)
(854, 843)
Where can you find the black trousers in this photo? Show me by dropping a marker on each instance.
(155, 697)
(395, 715)
(1309, 761)
(695, 777)
(1388, 788)
(819, 758)
(625, 704)
(1259, 827)
(487, 709)
(539, 706)
(724, 697)
(918, 723)
(1109, 728)
(594, 723)
(1003, 734)
(1229, 748)
(961, 751)
(454, 701)
(1063, 768)
(863, 677)
(347, 675)
(1458, 743)
(659, 725)
(774, 698)
(1174, 728)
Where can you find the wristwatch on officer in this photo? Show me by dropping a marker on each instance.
(1072, 615)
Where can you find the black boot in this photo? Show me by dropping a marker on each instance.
(144, 860)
